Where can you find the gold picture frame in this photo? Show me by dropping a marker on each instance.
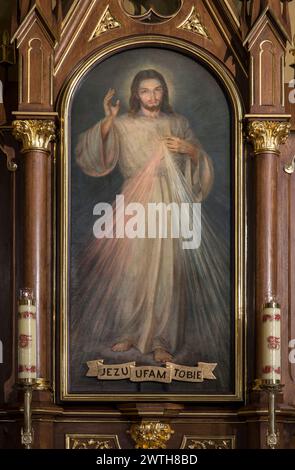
(239, 205)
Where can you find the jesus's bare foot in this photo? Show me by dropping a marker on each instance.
(160, 355)
(122, 346)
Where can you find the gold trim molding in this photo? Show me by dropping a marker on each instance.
(150, 434)
(34, 134)
(201, 442)
(240, 214)
(267, 136)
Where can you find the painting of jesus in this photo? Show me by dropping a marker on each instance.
(151, 273)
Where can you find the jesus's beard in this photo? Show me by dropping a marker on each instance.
(151, 108)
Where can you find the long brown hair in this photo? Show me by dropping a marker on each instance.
(134, 102)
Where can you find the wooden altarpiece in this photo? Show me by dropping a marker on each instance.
(238, 46)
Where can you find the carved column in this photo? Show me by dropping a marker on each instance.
(266, 136)
(36, 136)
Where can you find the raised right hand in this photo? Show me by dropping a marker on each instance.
(109, 109)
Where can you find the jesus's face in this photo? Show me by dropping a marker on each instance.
(150, 93)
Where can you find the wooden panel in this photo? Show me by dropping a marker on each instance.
(35, 66)
(267, 62)
(5, 273)
(36, 74)
(286, 224)
(267, 74)
(9, 268)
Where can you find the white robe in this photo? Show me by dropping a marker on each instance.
(137, 287)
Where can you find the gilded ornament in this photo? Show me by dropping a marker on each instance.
(151, 435)
(267, 136)
(34, 134)
(106, 23)
(209, 444)
(89, 444)
(194, 24)
(92, 441)
(42, 384)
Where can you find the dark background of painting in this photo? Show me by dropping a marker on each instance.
(196, 94)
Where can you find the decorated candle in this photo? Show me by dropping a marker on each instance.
(26, 335)
(271, 342)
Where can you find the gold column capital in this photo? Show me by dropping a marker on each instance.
(150, 434)
(267, 136)
(35, 134)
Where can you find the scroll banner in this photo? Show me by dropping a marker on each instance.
(203, 371)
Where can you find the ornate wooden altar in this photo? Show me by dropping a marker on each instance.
(242, 46)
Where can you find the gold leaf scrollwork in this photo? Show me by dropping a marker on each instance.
(89, 444)
(202, 442)
(92, 441)
(209, 444)
(106, 23)
(150, 434)
(194, 24)
(34, 134)
(267, 136)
